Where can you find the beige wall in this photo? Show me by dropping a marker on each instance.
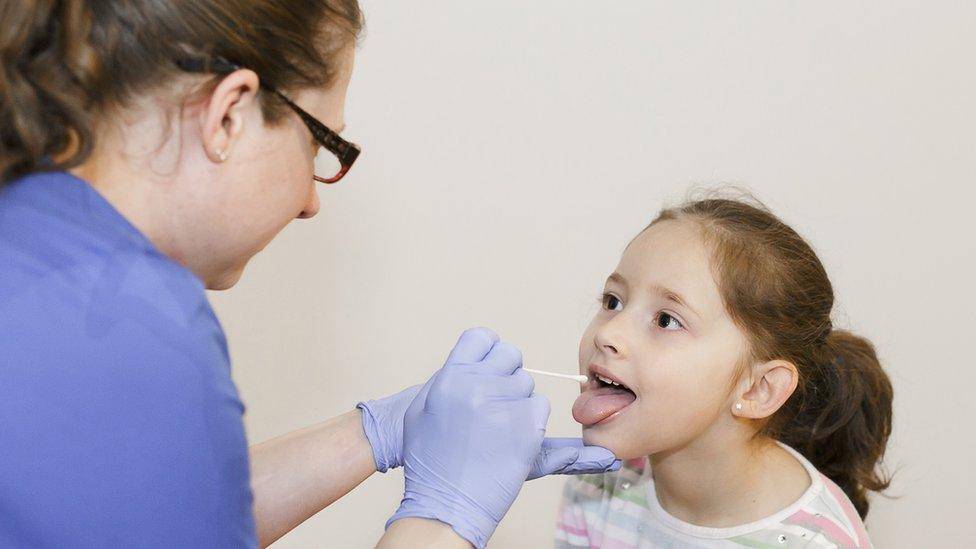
(511, 150)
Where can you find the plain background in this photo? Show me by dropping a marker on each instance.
(511, 150)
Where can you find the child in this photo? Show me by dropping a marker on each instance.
(747, 419)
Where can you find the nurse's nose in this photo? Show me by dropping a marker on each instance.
(312, 206)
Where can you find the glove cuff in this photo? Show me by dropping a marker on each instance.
(376, 442)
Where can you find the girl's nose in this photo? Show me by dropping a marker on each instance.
(608, 338)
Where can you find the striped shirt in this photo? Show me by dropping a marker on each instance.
(621, 510)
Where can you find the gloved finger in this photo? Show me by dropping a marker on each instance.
(571, 457)
(592, 459)
(503, 359)
(518, 385)
(540, 410)
(472, 346)
(562, 442)
(551, 461)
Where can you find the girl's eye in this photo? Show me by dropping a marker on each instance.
(612, 303)
(667, 322)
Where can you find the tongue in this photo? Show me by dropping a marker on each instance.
(595, 405)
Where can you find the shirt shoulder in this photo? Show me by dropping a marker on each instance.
(121, 423)
(831, 518)
(64, 250)
(823, 517)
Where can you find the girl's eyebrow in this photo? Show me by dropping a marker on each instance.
(618, 278)
(668, 293)
(673, 296)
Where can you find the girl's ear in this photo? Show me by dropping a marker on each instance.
(772, 384)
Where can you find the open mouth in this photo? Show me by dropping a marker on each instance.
(603, 397)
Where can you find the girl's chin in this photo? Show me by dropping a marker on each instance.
(619, 443)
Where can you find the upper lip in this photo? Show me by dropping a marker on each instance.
(596, 369)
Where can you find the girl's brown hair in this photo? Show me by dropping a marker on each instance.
(65, 62)
(775, 288)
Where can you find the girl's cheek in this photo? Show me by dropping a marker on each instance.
(585, 349)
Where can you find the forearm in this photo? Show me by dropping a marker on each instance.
(298, 474)
(416, 532)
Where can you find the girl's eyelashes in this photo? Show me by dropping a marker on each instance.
(662, 320)
(666, 321)
(612, 302)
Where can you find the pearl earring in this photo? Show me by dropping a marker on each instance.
(221, 155)
(738, 406)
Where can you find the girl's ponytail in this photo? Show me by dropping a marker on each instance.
(48, 73)
(844, 422)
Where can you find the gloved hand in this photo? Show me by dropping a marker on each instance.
(474, 434)
(383, 425)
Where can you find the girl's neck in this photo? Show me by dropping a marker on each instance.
(726, 483)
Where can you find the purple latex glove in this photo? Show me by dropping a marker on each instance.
(383, 425)
(569, 456)
(475, 433)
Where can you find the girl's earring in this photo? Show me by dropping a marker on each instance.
(221, 155)
(738, 406)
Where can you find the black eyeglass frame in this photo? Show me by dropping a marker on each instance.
(345, 151)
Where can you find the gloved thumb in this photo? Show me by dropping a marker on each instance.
(569, 456)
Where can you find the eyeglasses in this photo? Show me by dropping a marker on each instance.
(338, 155)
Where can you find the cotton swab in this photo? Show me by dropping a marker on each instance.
(577, 378)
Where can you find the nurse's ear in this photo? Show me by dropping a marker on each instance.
(765, 389)
(223, 118)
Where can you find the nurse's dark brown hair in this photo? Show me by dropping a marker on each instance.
(65, 63)
(777, 291)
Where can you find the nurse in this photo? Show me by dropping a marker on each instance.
(147, 151)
